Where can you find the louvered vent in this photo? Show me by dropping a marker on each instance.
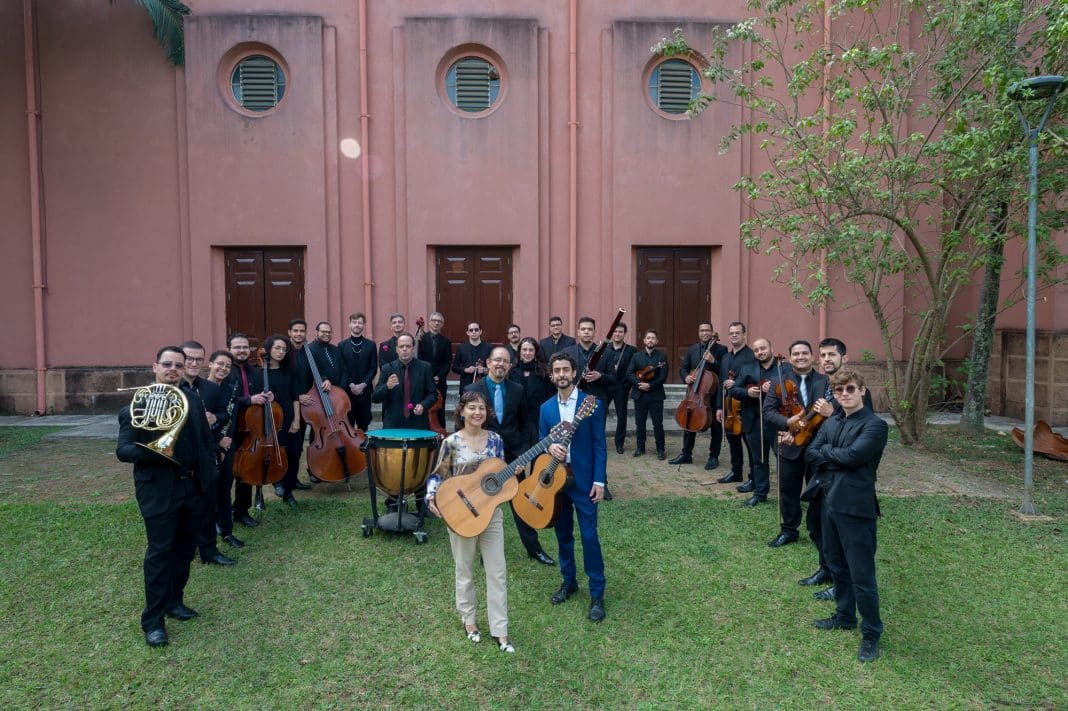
(473, 84)
(675, 86)
(258, 83)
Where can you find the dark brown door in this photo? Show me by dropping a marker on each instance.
(475, 284)
(674, 295)
(264, 290)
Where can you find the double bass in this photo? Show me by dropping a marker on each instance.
(692, 413)
(336, 451)
(260, 459)
(432, 413)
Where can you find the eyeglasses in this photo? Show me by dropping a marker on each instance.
(473, 330)
(171, 365)
(188, 359)
(847, 389)
(500, 360)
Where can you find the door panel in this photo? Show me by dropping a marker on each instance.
(475, 284)
(674, 295)
(264, 290)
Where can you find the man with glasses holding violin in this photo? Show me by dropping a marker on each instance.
(172, 495)
(846, 451)
(471, 356)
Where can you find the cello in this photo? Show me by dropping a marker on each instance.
(260, 459)
(732, 410)
(432, 413)
(692, 412)
(336, 451)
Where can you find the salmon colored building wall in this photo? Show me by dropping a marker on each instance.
(150, 173)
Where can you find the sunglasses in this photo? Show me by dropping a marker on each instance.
(168, 365)
(847, 389)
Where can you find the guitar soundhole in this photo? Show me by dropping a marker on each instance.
(491, 486)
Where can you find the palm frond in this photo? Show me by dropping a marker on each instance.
(167, 18)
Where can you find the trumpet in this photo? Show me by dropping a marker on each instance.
(159, 408)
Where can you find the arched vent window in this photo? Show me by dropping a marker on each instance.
(673, 85)
(258, 83)
(473, 84)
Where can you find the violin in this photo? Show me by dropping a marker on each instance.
(732, 410)
(435, 409)
(692, 412)
(260, 459)
(646, 374)
(805, 427)
(480, 365)
(336, 451)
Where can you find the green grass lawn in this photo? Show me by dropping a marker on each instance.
(701, 614)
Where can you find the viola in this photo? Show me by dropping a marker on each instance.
(336, 451)
(732, 410)
(260, 459)
(692, 412)
(435, 409)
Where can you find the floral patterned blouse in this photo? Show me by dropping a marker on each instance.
(457, 457)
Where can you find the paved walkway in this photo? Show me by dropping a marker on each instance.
(107, 426)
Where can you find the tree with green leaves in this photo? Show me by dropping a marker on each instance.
(167, 24)
(896, 166)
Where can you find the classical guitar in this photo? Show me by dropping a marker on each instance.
(536, 501)
(467, 501)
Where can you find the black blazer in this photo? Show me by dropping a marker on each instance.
(436, 349)
(617, 363)
(154, 474)
(816, 385)
(746, 372)
(641, 360)
(536, 389)
(360, 357)
(600, 388)
(549, 346)
(215, 401)
(331, 368)
(847, 450)
(513, 425)
(691, 361)
(422, 391)
(466, 356)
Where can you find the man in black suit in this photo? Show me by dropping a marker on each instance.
(248, 381)
(471, 356)
(215, 411)
(515, 337)
(405, 389)
(174, 498)
(847, 450)
(812, 391)
(595, 382)
(616, 362)
(360, 360)
(649, 394)
(435, 348)
(387, 350)
(508, 418)
(557, 340)
(744, 385)
(711, 352)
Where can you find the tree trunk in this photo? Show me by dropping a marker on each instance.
(972, 416)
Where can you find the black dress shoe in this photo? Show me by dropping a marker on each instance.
(234, 541)
(620, 449)
(217, 559)
(754, 500)
(820, 577)
(729, 478)
(596, 609)
(638, 452)
(869, 650)
(746, 488)
(156, 637)
(542, 557)
(301, 485)
(246, 520)
(825, 595)
(661, 455)
(181, 613)
(834, 623)
(607, 493)
(566, 590)
(682, 458)
(290, 500)
(782, 539)
(711, 463)
(279, 490)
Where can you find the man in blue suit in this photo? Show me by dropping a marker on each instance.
(587, 456)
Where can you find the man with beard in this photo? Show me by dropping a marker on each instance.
(514, 338)
(249, 382)
(436, 349)
(471, 356)
(770, 368)
(387, 350)
(211, 395)
(360, 359)
(616, 362)
(557, 340)
(173, 495)
(588, 456)
(508, 418)
(298, 335)
(711, 352)
(648, 393)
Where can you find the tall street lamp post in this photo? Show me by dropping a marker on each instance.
(1046, 88)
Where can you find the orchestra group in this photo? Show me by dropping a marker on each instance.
(249, 412)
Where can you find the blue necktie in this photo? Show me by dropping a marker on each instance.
(498, 400)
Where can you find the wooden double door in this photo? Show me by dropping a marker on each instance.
(264, 290)
(474, 284)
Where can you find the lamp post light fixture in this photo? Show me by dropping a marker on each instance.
(1046, 88)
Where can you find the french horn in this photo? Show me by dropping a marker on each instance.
(159, 407)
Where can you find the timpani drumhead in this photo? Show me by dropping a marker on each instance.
(395, 451)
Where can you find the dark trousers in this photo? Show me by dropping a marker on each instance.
(689, 439)
(294, 448)
(359, 410)
(758, 461)
(242, 498)
(224, 514)
(619, 398)
(736, 445)
(792, 476)
(528, 535)
(644, 408)
(850, 545)
(592, 561)
(172, 540)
